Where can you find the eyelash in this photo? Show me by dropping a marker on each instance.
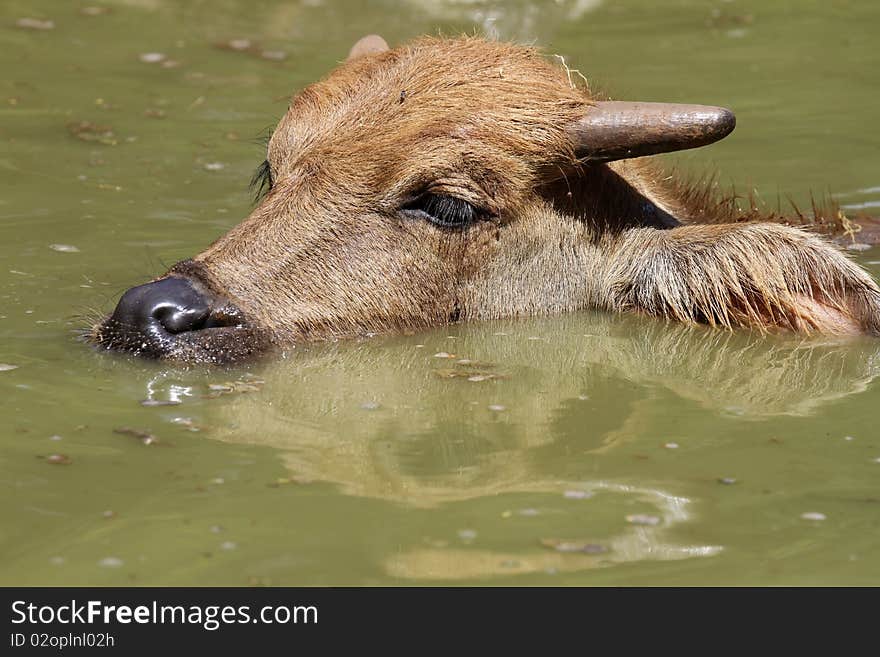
(440, 209)
(262, 181)
(443, 210)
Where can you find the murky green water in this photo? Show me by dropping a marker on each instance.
(584, 449)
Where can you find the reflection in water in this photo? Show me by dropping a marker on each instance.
(635, 543)
(508, 20)
(519, 20)
(440, 418)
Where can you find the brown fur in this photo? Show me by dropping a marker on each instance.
(328, 253)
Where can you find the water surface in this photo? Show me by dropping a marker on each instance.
(585, 449)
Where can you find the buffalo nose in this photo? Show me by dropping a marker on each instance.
(169, 305)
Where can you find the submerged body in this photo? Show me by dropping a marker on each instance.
(459, 179)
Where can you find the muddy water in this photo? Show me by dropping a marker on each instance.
(584, 449)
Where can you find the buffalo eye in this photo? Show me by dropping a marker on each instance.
(442, 210)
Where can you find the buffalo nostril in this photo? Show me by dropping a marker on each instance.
(177, 319)
(170, 305)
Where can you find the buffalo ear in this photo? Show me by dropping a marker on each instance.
(616, 130)
(372, 44)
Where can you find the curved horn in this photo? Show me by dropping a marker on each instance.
(616, 130)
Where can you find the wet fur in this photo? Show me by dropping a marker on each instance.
(328, 254)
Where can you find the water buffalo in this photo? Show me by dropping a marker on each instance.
(461, 179)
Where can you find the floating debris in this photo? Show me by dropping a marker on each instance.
(671, 445)
(727, 481)
(228, 545)
(109, 513)
(90, 132)
(497, 408)
(528, 513)
(235, 44)
(57, 561)
(155, 113)
(583, 397)
(251, 48)
(144, 436)
(214, 166)
(160, 402)
(215, 529)
(55, 437)
(467, 535)
(454, 373)
(229, 387)
(370, 406)
(34, 24)
(848, 438)
(64, 248)
(813, 515)
(5, 367)
(274, 55)
(577, 494)
(568, 545)
(858, 246)
(59, 459)
(642, 519)
(218, 481)
(93, 10)
(466, 368)
(111, 562)
(188, 422)
(152, 57)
